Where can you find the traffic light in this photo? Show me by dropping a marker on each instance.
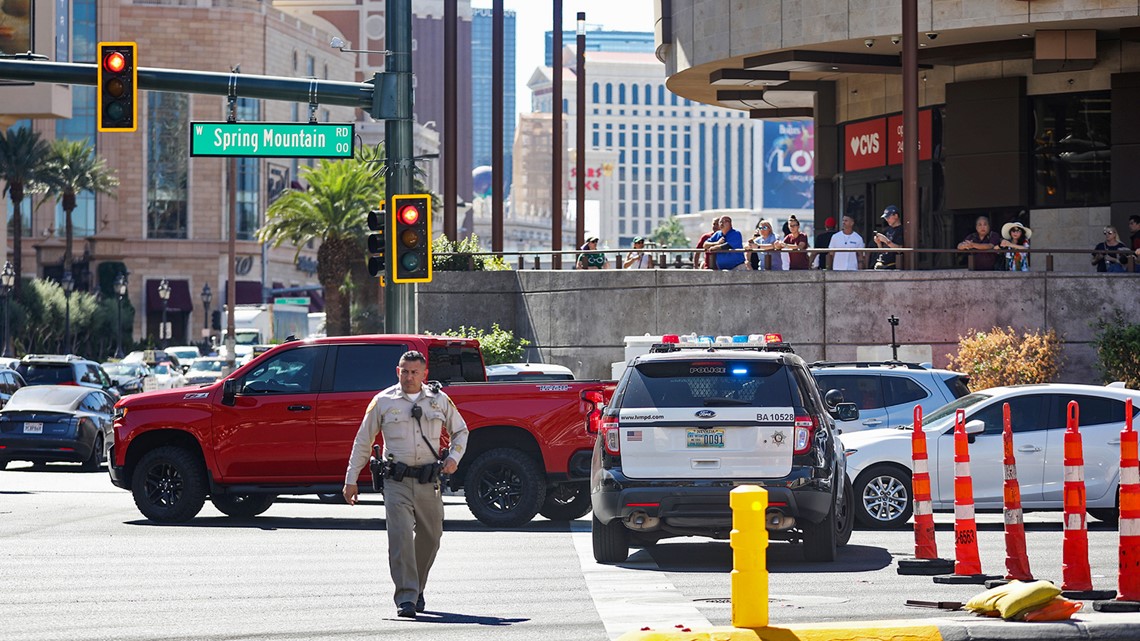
(216, 319)
(376, 222)
(118, 87)
(411, 238)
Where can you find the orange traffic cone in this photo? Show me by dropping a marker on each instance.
(1076, 579)
(1129, 578)
(925, 561)
(967, 566)
(1016, 558)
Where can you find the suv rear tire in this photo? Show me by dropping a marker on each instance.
(611, 541)
(242, 506)
(883, 498)
(845, 515)
(821, 539)
(169, 485)
(566, 502)
(504, 488)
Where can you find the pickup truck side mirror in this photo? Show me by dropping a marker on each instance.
(845, 412)
(229, 391)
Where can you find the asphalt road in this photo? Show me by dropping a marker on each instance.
(77, 561)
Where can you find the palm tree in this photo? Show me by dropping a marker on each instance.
(333, 211)
(72, 168)
(23, 153)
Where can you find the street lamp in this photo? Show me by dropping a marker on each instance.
(207, 296)
(164, 295)
(120, 292)
(68, 285)
(7, 280)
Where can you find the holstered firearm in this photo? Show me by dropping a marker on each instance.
(378, 468)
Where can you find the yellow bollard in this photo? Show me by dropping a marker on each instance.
(749, 540)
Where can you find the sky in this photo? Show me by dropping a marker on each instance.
(533, 18)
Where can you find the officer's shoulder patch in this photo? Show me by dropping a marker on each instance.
(371, 404)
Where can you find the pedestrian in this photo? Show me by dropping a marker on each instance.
(848, 238)
(1110, 262)
(704, 260)
(797, 243)
(823, 241)
(761, 251)
(410, 415)
(638, 258)
(593, 260)
(1134, 230)
(725, 246)
(889, 238)
(982, 240)
(1015, 237)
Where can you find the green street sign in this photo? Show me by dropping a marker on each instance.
(299, 300)
(272, 139)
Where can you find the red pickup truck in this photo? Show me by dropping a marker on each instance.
(284, 424)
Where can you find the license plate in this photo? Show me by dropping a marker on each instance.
(713, 437)
(33, 428)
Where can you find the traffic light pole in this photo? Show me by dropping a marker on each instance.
(399, 298)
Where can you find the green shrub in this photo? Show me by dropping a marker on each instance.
(1117, 344)
(498, 345)
(1004, 357)
(461, 259)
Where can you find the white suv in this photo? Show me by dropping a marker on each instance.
(887, 392)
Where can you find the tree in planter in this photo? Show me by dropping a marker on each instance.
(72, 168)
(461, 259)
(1005, 357)
(498, 345)
(23, 153)
(1117, 344)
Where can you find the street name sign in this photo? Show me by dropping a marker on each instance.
(272, 139)
(298, 300)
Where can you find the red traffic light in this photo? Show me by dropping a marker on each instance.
(115, 62)
(409, 214)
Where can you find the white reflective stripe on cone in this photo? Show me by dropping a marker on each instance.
(1074, 473)
(921, 466)
(1010, 472)
(1014, 517)
(964, 511)
(1129, 475)
(961, 469)
(1074, 521)
(1129, 527)
(922, 508)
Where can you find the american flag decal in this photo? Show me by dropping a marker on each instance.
(634, 435)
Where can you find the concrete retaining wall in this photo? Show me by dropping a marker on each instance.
(579, 319)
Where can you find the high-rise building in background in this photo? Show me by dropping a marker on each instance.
(602, 40)
(482, 39)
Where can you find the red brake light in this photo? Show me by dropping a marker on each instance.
(611, 435)
(805, 427)
(592, 402)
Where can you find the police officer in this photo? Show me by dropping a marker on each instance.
(410, 416)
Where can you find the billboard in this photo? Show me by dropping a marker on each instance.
(16, 26)
(789, 164)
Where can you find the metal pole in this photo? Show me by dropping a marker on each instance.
(118, 327)
(7, 306)
(450, 119)
(231, 270)
(399, 299)
(911, 213)
(67, 322)
(162, 327)
(556, 140)
(497, 171)
(580, 135)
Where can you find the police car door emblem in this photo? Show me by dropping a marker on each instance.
(778, 438)
(705, 414)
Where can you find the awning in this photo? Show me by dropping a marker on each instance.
(247, 292)
(180, 299)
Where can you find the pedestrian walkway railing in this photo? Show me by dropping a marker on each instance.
(683, 258)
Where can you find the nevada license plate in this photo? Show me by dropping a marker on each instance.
(33, 428)
(713, 437)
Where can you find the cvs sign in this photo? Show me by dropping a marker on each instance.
(865, 144)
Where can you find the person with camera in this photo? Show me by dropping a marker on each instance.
(410, 415)
(889, 238)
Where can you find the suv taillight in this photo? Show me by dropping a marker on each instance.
(611, 435)
(593, 401)
(804, 432)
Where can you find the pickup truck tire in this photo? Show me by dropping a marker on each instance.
(95, 461)
(169, 485)
(566, 502)
(611, 540)
(883, 498)
(242, 506)
(505, 487)
(821, 539)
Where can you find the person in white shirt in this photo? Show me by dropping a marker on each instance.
(846, 238)
(638, 258)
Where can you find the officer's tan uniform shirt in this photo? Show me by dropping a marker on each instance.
(390, 412)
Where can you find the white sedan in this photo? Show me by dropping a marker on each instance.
(168, 376)
(879, 461)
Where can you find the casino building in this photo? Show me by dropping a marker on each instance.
(1027, 107)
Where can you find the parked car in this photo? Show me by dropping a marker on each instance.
(879, 461)
(186, 355)
(886, 393)
(152, 357)
(687, 425)
(528, 372)
(69, 369)
(10, 381)
(206, 369)
(131, 378)
(43, 423)
(168, 376)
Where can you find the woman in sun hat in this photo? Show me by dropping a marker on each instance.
(1015, 237)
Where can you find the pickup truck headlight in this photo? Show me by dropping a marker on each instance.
(120, 412)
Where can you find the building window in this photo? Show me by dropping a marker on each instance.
(1072, 162)
(310, 67)
(248, 178)
(648, 95)
(621, 94)
(621, 226)
(635, 99)
(609, 93)
(595, 139)
(661, 96)
(621, 191)
(597, 89)
(167, 168)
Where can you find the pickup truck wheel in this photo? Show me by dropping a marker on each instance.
(611, 540)
(883, 498)
(243, 506)
(169, 485)
(505, 488)
(566, 502)
(820, 539)
(95, 461)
